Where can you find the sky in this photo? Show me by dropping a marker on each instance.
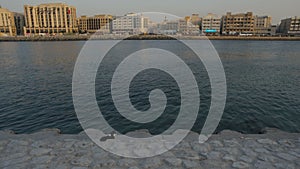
(278, 9)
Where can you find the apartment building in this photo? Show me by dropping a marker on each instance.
(289, 26)
(98, 23)
(7, 23)
(51, 18)
(242, 23)
(169, 27)
(185, 27)
(130, 24)
(211, 24)
(262, 25)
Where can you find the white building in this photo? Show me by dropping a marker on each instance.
(182, 26)
(169, 27)
(130, 24)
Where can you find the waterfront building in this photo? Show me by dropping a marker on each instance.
(185, 27)
(211, 24)
(7, 23)
(196, 19)
(289, 26)
(97, 23)
(273, 30)
(169, 27)
(242, 23)
(51, 18)
(153, 27)
(262, 25)
(20, 23)
(130, 24)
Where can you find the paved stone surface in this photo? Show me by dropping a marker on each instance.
(240, 164)
(49, 149)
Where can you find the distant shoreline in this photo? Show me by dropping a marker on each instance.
(144, 37)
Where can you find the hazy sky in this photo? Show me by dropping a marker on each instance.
(278, 9)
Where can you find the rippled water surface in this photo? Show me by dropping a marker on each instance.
(263, 80)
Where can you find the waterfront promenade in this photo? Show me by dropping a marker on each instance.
(49, 149)
(144, 37)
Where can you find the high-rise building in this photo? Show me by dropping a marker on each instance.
(20, 23)
(242, 23)
(130, 24)
(262, 25)
(97, 23)
(50, 18)
(7, 23)
(211, 24)
(290, 26)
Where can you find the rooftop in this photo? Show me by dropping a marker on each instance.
(51, 4)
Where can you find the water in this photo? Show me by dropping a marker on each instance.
(262, 79)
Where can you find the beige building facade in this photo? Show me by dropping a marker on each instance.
(97, 23)
(52, 18)
(7, 23)
(242, 23)
(211, 24)
(186, 27)
(262, 25)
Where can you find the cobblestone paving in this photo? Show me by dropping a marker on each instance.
(49, 149)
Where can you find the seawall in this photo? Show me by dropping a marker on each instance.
(229, 149)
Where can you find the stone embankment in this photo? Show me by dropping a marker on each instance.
(49, 149)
